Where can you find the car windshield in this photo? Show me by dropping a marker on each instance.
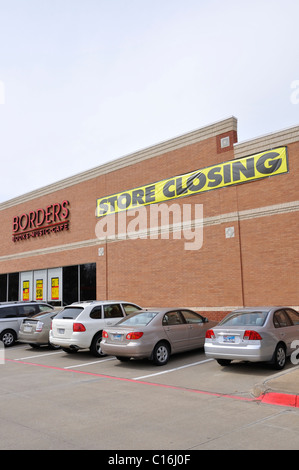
(141, 319)
(254, 318)
(69, 313)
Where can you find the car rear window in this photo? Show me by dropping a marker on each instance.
(255, 318)
(141, 319)
(69, 313)
(41, 315)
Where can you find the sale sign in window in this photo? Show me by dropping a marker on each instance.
(25, 290)
(39, 291)
(55, 288)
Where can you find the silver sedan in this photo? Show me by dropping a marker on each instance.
(254, 334)
(155, 334)
(35, 330)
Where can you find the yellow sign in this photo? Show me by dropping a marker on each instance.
(39, 293)
(55, 288)
(241, 170)
(25, 290)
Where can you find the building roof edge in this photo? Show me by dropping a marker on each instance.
(267, 142)
(189, 138)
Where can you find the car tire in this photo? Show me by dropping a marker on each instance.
(69, 350)
(123, 358)
(224, 362)
(95, 347)
(161, 354)
(53, 346)
(279, 358)
(8, 338)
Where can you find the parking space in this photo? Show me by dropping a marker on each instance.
(190, 370)
(54, 400)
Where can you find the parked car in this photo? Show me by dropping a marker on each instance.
(80, 325)
(254, 334)
(35, 330)
(155, 334)
(12, 315)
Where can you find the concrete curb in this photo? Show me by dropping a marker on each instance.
(280, 389)
(281, 399)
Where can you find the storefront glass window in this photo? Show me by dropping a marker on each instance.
(70, 284)
(3, 287)
(78, 284)
(13, 287)
(88, 281)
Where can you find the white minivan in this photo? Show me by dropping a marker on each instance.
(80, 325)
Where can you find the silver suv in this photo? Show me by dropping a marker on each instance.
(12, 315)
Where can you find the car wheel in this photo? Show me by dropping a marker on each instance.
(8, 338)
(161, 354)
(224, 362)
(95, 347)
(279, 358)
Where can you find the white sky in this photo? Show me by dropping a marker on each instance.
(83, 82)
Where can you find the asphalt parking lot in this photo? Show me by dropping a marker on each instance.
(52, 400)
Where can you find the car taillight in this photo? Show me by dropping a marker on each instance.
(77, 327)
(134, 335)
(210, 334)
(251, 335)
(39, 326)
(104, 334)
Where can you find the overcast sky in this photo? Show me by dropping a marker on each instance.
(83, 82)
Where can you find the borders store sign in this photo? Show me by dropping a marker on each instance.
(238, 171)
(52, 219)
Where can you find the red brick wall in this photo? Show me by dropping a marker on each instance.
(258, 266)
(270, 245)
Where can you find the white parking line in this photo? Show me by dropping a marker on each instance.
(89, 363)
(173, 370)
(37, 355)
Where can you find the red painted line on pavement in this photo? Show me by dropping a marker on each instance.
(153, 384)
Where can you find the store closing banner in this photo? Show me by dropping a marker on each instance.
(242, 170)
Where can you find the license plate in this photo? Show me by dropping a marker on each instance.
(228, 339)
(61, 331)
(27, 329)
(117, 337)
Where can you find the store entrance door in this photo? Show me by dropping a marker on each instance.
(55, 285)
(40, 285)
(26, 286)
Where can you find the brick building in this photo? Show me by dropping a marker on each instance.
(248, 255)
